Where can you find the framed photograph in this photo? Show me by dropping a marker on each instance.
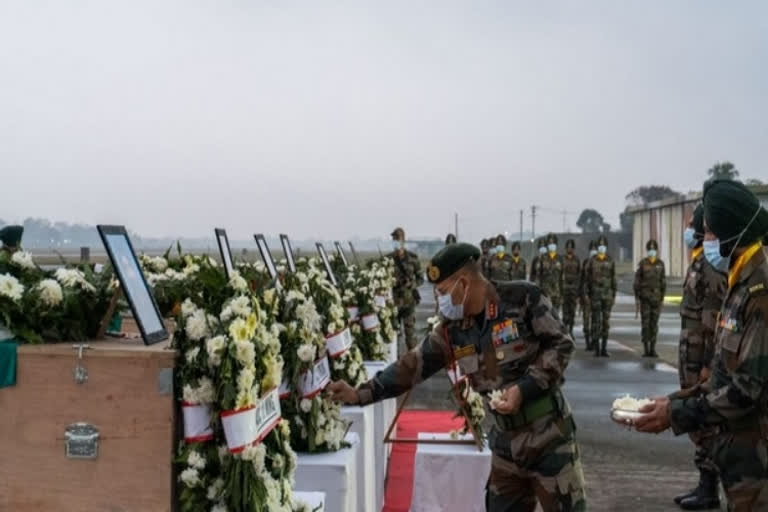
(341, 254)
(266, 255)
(354, 253)
(225, 251)
(133, 283)
(288, 251)
(327, 263)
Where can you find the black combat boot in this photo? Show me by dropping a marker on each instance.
(693, 492)
(653, 353)
(596, 346)
(645, 349)
(706, 497)
(589, 344)
(603, 351)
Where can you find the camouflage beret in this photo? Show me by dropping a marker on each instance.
(551, 238)
(11, 235)
(398, 232)
(449, 260)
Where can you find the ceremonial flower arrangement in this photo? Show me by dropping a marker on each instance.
(360, 290)
(469, 405)
(316, 420)
(68, 304)
(382, 280)
(236, 453)
(345, 356)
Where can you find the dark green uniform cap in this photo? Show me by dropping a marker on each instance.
(730, 208)
(11, 235)
(449, 260)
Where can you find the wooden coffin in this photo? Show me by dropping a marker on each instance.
(128, 398)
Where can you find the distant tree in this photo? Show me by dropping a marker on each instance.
(651, 193)
(723, 170)
(590, 221)
(749, 182)
(626, 220)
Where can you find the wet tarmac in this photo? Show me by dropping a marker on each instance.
(624, 470)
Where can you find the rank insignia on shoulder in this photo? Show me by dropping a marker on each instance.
(756, 288)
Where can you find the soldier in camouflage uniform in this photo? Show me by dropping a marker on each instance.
(571, 285)
(650, 287)
(408, 278)
(551, 273)
(503, 338)
(733, 403)
(600, 285)
(500, 264)
(703, 293)
(541, 247)
(485, 256)
(586, 309)
(518, 269)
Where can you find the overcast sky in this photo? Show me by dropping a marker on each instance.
(343, 118)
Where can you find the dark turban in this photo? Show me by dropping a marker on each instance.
(730, 209)
(698, 220)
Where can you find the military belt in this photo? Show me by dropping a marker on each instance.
(531, 412)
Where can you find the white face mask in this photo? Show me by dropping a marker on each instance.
(552, 247)
(542, 250)
(651, 253)
(397, 245)
(446, 306)
(602, 249)
(593, 252)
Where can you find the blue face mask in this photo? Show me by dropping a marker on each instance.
(552, 247)
(689, 237)
(492, 251)
(499, 249)
(397, 245)
(652, 253)
(712, 253)
(447, 308)
(593, 252)
(602, 249)
(542, 250)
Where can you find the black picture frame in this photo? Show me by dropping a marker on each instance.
(327, 263)
(133, 283)
(341, 254)
(226, 252)
(266, 256)
(288, 251)
(354, 253)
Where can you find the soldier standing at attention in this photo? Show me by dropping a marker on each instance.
(504, 338)
(703, 294)
(485, 256)
(600, 281)
(551, 274)
(500, 264)
(586, 309)
(518, 270)
(650, 287)
(408, 278)
(571, 283)
(733, 401)
(11, 238)
(536, 263)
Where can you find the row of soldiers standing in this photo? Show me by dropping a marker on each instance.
(567, 280)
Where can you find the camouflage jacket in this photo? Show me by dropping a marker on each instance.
(516, 340)
(500, 267)
(408, 278)
(703, 292)
(650, 280)
(518, 269)
(736, 396)
(600, 278)
(535, 269)
(551, 275)
(571, 275)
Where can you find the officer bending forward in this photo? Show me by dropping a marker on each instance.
(504, 338)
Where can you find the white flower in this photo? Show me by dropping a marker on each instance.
(307, 314)
(238, 330)
(23, 259)
(11, 287)
(214, 347)
(256, 454)
(245, 353)
(212, 262)
(195, 460)
(278, 461)
(72, 278)
(293, 295)
(306, 352)
(269, 296)
(158, 263)
(241, 306)
(50, 292)
(215, 488)
(191, 354)
(306, 405)
(190, 269)
(188, 308)
(237, 282)
(219, 508)
(190, 477)
(197, 326)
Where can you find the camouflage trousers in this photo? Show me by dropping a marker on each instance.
(586, 317)
(601, 317)
(743, 463)
(691, 352)
(649, 315)
(407, 315)
(536, 464)
(569, 309)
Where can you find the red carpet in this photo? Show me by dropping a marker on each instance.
(397, 497)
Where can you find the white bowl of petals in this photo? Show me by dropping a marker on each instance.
(625, 409)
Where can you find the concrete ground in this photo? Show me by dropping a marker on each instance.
(624, 470)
